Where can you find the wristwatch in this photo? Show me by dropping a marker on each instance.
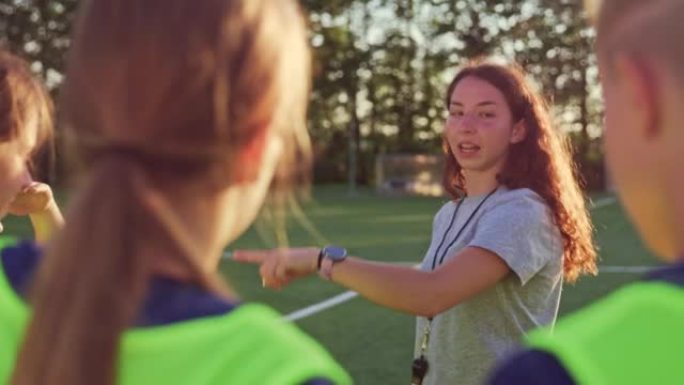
(328, 256)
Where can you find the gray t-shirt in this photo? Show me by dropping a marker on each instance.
(467, 339)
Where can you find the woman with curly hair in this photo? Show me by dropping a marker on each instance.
(515, 229)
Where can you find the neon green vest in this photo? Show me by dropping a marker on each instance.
(250, 345)
(634, 336)
(6, 241)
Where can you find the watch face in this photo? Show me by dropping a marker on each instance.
(335, 253)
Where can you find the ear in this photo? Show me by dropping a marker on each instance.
(519, 132)
(249, 158)
(640, 87)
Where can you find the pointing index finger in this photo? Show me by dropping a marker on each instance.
(250, 256)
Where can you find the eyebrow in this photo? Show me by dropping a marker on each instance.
(485, 103)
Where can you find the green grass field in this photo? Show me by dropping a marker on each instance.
(375, 344)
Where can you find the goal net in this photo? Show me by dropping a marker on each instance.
(409, 174)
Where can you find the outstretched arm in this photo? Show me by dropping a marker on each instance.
(470, 272)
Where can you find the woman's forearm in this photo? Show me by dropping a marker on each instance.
(418, 292)
(398, 287)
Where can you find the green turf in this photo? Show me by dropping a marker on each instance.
(375, 344)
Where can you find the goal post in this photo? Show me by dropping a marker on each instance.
(409, 174)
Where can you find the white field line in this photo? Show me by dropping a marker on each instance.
(349, 295)
(625, 269)
(603, 202)
(319, 307)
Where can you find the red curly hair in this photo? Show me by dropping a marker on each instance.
(540, 162)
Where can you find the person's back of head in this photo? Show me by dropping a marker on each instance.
(24, 102)
(192, 83)
(25, 105)
(642, 66)
(169, 104)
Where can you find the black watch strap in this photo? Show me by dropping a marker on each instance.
(320, 260)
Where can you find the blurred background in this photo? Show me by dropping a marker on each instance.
(376, 116)
(381, 68)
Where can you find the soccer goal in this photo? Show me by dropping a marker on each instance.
(409, 174)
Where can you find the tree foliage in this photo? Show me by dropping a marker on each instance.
(381, 68)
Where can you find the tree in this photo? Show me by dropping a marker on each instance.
(381, 68)
(38, 30)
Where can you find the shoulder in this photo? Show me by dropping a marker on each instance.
(520, 206)
(522, 199)
(444, 212)
(530, 367)
(18, 262)
(267, 324)
(236, 347)
(651, 310)
(284, 342)
(622, 311)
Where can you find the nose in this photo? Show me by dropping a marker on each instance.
(466, 124)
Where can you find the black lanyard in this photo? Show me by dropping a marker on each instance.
(458, 234)
(420, 365)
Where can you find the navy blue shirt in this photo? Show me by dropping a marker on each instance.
(537, 367)
(167, 300)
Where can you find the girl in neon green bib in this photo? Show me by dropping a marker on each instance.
(182, 112)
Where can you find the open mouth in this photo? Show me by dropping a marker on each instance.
(468, 148)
